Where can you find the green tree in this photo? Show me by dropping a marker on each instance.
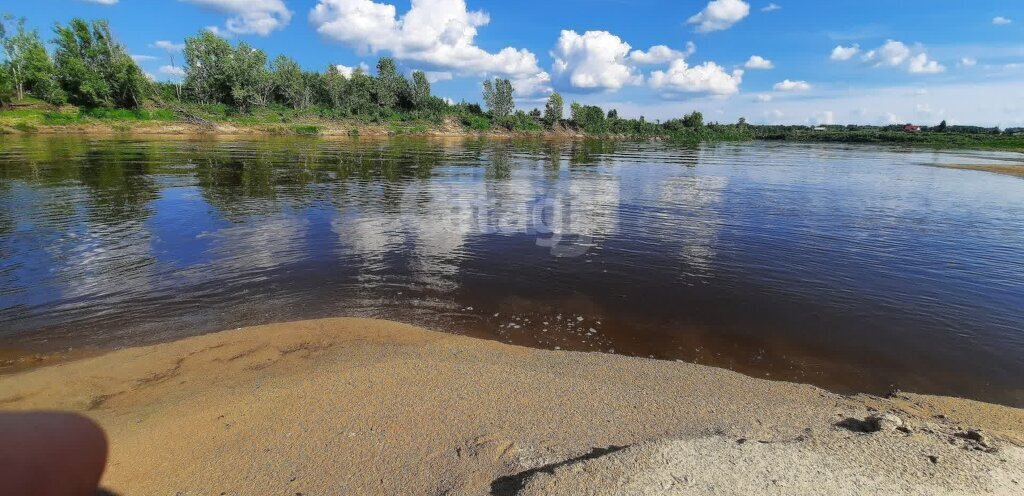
(291, 82)
(6, 88)
(942, 126)
(94, 70)
(29, 68)
(333, 88)
(553, 110)
(207, 57)
(742, 122)
(391, 88)
(498, 96)
(693, 120)
(248, 78)
(589, 118)
(420, 90)
(613, 114)
(359, 93)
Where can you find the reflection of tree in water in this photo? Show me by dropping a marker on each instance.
(120, 183)
(590, 152)
(498, 163)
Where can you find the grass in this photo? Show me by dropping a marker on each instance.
(306, 130)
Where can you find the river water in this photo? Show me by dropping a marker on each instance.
(852, 267)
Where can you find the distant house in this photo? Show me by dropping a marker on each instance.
(910, 128)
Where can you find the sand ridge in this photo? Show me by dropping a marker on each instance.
(359, 406)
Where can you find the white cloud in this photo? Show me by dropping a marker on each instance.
(347, 71)
(101, 2)
(168, 46)
(661, 54)
(895, 54)
(538, 85)
(217, 31)
(171, 70)
(845, 53)
(920, 64)
(440, 34)
(759, 62)
(260, 17)
(143, 58)
(968, 62)
(772, 7)
(435, 76)
(788, 85)
(892, 53)
(708, 77)
(719, 15)
(595, 60)
(1001, 21)
(763, 98)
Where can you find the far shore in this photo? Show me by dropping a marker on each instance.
(360, 406)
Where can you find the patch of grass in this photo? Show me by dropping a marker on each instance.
(128, 115)
(61, 118)
(306, 130)
(25, 127)
(476, 122)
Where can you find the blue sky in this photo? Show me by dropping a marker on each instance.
(842, 61)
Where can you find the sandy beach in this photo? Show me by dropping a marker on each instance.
(356, 406)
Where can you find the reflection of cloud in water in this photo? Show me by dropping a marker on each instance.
(693, 220)
(105, 260)
(261, 244)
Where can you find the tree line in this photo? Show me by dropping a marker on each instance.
(87, 67)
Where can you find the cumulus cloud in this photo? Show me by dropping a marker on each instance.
(594, 61)
(171, 70)
(720, 15)
(435, 76)
(168, 46)
(347, 71)
(920, 64)
(897, 54)
(788, 85)
(842, 53)
(535, 86)
(968, 62)
(892, 53)
(759, 62)
(440, 34)
(260, 17)
(708, 77)
(1001, 21)
(661, 54)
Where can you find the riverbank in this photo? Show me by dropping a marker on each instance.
(38, 118)
(365, 406)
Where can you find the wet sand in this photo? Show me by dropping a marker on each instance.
(1007, 169)
(357, 406)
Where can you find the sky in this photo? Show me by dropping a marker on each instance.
(783, 61)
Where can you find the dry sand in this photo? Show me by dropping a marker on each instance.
(355, 406)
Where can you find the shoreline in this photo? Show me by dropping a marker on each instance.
(367, 405)
(342, 129)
